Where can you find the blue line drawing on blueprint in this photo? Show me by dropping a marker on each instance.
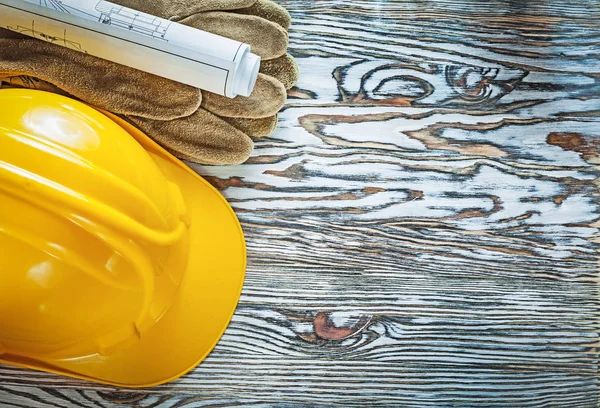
(118, 16)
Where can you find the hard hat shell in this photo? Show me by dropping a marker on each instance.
(118, 263)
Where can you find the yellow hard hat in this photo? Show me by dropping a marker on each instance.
(118, 263)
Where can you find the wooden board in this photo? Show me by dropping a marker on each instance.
(423, 226)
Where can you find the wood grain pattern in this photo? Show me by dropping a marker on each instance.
(422, 228)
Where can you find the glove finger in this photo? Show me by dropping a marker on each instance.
(270, 11)
(284, 69)
(178, 9)
(201, 138)
(267, 39)
(266, 100)
(98, 82)
(254, 127)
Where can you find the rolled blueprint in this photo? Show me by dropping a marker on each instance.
(138, 40)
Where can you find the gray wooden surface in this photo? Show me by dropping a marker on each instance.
(423, 227)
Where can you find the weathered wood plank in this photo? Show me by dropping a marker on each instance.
(422, 228)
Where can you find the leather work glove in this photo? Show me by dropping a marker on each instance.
(192, 124)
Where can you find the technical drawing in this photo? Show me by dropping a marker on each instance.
(115, 15)
(32, 32)
(132, 20)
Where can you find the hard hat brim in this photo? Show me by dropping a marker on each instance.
(207, 299)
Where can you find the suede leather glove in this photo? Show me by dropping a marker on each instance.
(194, 125)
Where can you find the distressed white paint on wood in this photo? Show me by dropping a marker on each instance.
(423, 226)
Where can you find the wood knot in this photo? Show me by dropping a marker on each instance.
(339, 325)
(471, 83)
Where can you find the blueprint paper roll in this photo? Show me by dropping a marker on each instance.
(138, 40)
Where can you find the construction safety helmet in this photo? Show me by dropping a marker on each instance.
(118, 263)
